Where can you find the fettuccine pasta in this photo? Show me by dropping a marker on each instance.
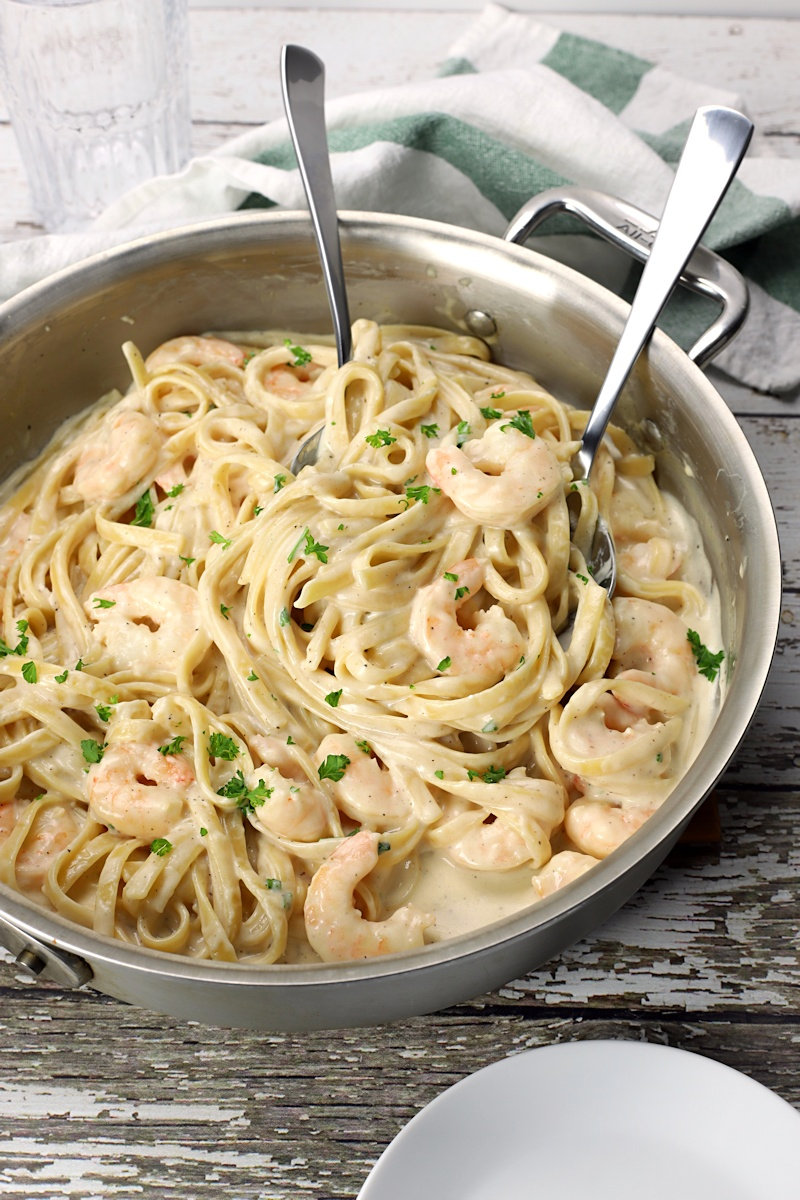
(251, 716)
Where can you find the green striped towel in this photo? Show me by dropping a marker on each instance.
(519, 107)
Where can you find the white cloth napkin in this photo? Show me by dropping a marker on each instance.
(519, 107)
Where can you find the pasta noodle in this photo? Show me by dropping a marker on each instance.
(251, 716)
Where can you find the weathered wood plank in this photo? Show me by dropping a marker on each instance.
(128, 1111)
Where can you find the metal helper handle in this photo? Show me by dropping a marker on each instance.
(633, 230)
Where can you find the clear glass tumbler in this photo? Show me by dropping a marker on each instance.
(98, 95)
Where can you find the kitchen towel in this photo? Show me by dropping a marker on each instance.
(519, 107)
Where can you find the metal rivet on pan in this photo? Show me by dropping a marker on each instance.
(480, 323)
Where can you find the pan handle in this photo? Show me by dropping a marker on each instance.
(633, 230)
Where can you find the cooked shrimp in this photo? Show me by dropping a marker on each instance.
(597, 827)
(655, 558)
(52, 830)
(561, 870)
(366, 791)
(335, 928)
(121, 454)
(14, 537)
(290, 382)
(651, 645)
(149, 624)
(501, 479)
(492, 844)
(137, 791)
(197, 351)
(513, 827)
(293, 809)
(490, 648)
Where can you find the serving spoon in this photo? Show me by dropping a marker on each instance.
(714, 148)
(303, 89)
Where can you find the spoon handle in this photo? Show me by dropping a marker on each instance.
(714, 149)
(303, 86)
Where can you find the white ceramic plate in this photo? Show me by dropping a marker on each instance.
(596, 1121)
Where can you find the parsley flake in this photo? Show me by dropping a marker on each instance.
(185, 558)
(283, 617)
(364, 746)
(445, 664)
(492, 774)
(333, 767)
(143, 513)
(225, 609)
(222, 746)
(252, 677)
(301, 356)
(491, 414)
(173, 747)
(92, 751)
(160, 846)
(100, 603)
(451, 577)
(247, 799)
(429, 431)
(29, 672)
(176, 490)
(422, 491)
(523, 422)
(461, 592)
(62, 678)
(381, 437)
(278, 482)
(219, 539)
(708, 663)
(333, 698)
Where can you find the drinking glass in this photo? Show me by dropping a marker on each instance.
(97, 92)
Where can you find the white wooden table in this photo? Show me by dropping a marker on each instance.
(101, 1100)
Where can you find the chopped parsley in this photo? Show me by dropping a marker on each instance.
(445, 664)
(497, 395)
(257, 508)
(301, 356)
(143, 513)
(451, 577)
(491, 414)
(222, 746)
(203, 831)
(461, 592)
(62, 678)
(22, 644)
(489, 727)
(274, 885)
(246, 798)
(333, 767)
(492, 774)
(252, 677)
(310, 547)
(708, 663)
(79, 665)
(225, 609)
(219, 539)
(92, 751)
(439, 774)
(29, 672)
(429, 431)
(185, 558)
(283, 617)
(278, 482)
(333, 698)
(583, 578)
(100, 603)
(523, 422)
(383, 847)
(104, 711)
(462, 432)
(364, 746)
(422, 491)
(160, 846)
(381, 437)
(173, 747)
(176, 491)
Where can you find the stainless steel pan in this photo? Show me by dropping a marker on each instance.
(60, 349)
